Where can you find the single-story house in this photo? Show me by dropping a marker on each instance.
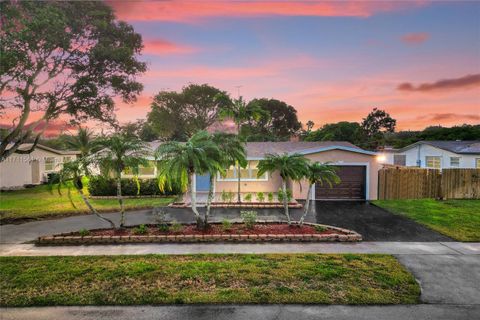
(357, 168)
(19, 170)
(435, 154)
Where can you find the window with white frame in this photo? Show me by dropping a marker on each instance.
(477, 163)
(455, 162)
(49, 163)
(246, 174)
(399, 159)
(433, 162)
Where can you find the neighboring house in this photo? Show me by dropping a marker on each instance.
(435, 154)
(19, 170)
(357, 168)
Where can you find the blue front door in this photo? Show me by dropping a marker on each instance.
(202, 182)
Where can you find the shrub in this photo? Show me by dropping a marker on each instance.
(270, 196)
(280, 195)
(53, 177)
(176, 226)
(224, 196)
(289, 195)
(84, 232)
(231, 196)
(248, 197)
(320, 228)
(260, 197)
(105, 186)
(141, 229)
(163, 227)
(226, 225)
(249, 218)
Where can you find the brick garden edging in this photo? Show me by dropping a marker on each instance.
(129, 197)
(344, 235)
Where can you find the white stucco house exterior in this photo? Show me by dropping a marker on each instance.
(19, 170)
(434, 154)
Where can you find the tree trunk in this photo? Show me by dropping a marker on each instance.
(193, 199)
(285, 200)
(95, 212)
(211, 195)
(307, 205)
(239, 197)
(120, 200)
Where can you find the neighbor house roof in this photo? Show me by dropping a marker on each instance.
(27, 146)
(261, 149)
(460, 147)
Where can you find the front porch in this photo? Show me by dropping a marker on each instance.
(220, 200)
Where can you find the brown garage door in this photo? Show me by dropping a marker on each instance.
(352, 186)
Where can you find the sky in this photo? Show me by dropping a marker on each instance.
(332, 61)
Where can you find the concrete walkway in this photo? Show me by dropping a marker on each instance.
(257, 312)
(396, 248)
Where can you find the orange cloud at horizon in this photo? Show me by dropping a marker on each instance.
(164, 47)
(189, 11)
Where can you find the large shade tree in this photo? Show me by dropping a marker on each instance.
(67, 58)
(318, 173)
(290, 167)
(120, 153)
(180, 161)
(179, 115)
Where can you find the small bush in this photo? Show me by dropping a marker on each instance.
(231, 196)
(289, 195)
(226, 225)
(270, 196)
(84, 232)
(248, 197)
(224, 196)
(280, 195)
(53, 177)
(141, 229)
(260, 197)
(320, 228)
(249, 218)
(176, 226)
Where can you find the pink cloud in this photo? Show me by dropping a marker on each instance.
(165, 47)
(189, 11)
(415, 38)
(468, 81)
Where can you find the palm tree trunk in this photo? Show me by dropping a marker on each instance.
(285, 200)
(193, 200)
(239, 197)
(95, 212)
(307, 205)
(210, 197)
(120, 200)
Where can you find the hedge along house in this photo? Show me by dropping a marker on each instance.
(357, 168)
(19, 170)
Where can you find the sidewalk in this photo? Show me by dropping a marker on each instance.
(396, 248)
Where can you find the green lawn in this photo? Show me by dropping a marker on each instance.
(458, 219)
(39, 202)
(161, 279)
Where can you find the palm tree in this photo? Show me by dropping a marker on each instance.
(120, 153)
(232, 152)
(75, 171)
(179, 162)
(318, 173)
(241, 113)
(84, 141)
(289, 166)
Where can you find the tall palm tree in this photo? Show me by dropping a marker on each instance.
(120, 152)
(84, 141)
(179, 162)
(232, 152)
(289, 166)
(241, 113)
(75, 171)
(318, 173)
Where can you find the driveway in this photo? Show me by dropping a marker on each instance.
(372, 222)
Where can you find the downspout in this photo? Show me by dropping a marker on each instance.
(419, 160)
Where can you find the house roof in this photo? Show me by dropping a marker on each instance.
(258, 150)
(460, 147)
(27, 146)
(261, 149)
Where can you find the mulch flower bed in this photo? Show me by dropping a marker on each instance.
(264, 231)
(292, 205)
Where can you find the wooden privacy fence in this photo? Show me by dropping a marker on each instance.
(418, 183)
